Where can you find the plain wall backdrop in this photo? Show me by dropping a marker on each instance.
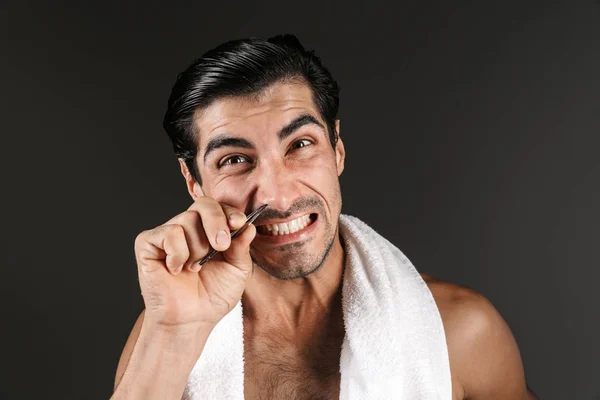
(472, 138)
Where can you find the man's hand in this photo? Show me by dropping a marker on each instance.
(177, 292)
(183, 302)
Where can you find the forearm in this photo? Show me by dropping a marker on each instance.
(161, 363)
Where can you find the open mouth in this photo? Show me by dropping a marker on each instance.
(287, 228)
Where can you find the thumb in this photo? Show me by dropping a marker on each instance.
(238, 253)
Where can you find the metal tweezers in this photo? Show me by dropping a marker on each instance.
(249, 219)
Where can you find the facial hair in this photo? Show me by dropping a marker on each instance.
(296, 262)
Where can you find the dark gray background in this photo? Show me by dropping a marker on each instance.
(471, 131)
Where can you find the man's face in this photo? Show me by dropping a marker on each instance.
(274, 149)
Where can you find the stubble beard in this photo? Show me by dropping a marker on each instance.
(298, 268)
(298, 263)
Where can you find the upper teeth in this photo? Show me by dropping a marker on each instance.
(287, 227)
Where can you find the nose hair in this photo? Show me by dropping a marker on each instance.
(276, 187)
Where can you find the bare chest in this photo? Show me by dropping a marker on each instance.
(277, 368)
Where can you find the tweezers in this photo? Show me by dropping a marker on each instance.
(249, 219)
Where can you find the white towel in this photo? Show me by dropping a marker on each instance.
(394, 346)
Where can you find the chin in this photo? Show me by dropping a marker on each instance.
(294, 266)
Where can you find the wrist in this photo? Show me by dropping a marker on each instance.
(162, 360)
(188, 339)
(156, 323)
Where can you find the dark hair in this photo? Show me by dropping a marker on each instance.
(241, 68)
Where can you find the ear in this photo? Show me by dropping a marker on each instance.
(340, 152)
(194, 188)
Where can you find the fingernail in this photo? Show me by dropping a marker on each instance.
(179, 269)
(236, 215)
(222, 237)
(195, 267)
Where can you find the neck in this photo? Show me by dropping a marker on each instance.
(299, 302)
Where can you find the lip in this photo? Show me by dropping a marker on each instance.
(285, 239)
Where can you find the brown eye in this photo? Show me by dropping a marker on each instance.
(236, 159)
(301, 143)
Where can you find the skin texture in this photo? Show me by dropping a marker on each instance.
(292, 297)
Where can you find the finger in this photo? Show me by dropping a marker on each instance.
(214, 222)
(235, 217)
(166, 241)
(197, 241)
(238, 254)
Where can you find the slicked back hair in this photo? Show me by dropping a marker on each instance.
(244, 67)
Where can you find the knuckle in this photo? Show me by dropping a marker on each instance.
(141, 239)
(190, 215)
(173, 236)
(174, 230)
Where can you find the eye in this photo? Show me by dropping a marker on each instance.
(298, 144)
(235, 159)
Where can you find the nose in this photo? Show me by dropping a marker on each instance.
(276, 186)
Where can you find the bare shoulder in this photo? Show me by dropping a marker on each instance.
(459, 305)
(466, 314)
(485, 361)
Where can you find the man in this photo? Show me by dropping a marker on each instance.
(325, 315)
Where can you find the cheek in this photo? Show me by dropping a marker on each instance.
(314, 164)
(233, 191)
(320, 174)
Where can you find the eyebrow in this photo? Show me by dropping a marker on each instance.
(226, 140)
(302, 120)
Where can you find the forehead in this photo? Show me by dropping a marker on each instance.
(273, 105)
